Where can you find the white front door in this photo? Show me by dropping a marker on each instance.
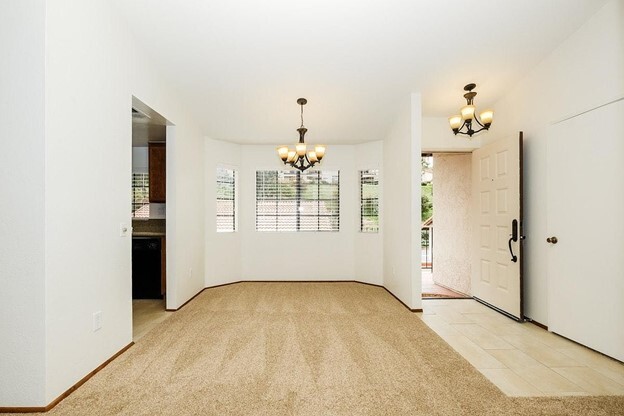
(496, 204)
(586, 216)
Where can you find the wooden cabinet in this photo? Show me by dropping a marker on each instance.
(157, 172)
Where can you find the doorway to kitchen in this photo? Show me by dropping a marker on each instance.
(149, 197)
(445, 227)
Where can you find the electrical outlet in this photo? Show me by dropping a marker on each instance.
(97, 321)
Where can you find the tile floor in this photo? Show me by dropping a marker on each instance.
(146, 314)
(431, 289)
(521, 359)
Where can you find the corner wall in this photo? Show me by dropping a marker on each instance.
(223, 255)
(401, 221)
(251, 255)
(368, 247)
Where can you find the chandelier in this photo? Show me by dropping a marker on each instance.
(301, 158)
(463, 124)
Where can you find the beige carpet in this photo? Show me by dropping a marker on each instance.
(302, 349)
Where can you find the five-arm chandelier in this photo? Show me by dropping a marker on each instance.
(465, 123)
(301, 158)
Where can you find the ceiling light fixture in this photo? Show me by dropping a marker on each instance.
(301, 158)
(462, 124)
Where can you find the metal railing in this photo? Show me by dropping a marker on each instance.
(426, 247)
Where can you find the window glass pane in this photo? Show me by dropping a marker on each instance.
(297, 201)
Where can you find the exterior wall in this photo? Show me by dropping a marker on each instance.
(451, 220)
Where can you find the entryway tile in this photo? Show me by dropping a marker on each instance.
(604, 365)
(510, 383)
(522, 359)
(515, 358)
(482, 337)
(591, 380)
(548, 381)
(474, 354)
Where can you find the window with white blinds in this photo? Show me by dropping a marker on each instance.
(140, 195)
(226, 200)
(369, 201)
(297, 201)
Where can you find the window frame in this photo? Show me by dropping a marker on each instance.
(234, 199)
(374, 173)
(140, 205)
(280, 174)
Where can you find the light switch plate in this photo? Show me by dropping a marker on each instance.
(124, 229)
(97, 321)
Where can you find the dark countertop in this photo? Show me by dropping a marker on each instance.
(147, 234)
(148, 228)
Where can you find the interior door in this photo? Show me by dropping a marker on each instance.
(585, 208)
(497, 225)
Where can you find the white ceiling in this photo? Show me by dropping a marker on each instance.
(241, 65)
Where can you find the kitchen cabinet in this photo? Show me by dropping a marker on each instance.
(157, 172)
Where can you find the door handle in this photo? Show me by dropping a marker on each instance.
(552, 240)
(514, 238)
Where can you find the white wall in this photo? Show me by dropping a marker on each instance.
(584, 72)
(275, 255)
(223, 250)
(401, 220)
(452, 200)
(22, 297)
(368, 247)
(140, 160)
(74, 65)
(251, 255)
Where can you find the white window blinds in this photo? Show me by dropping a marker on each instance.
(140, 195)
(369, 201)
(226, 200)
(297, 201)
